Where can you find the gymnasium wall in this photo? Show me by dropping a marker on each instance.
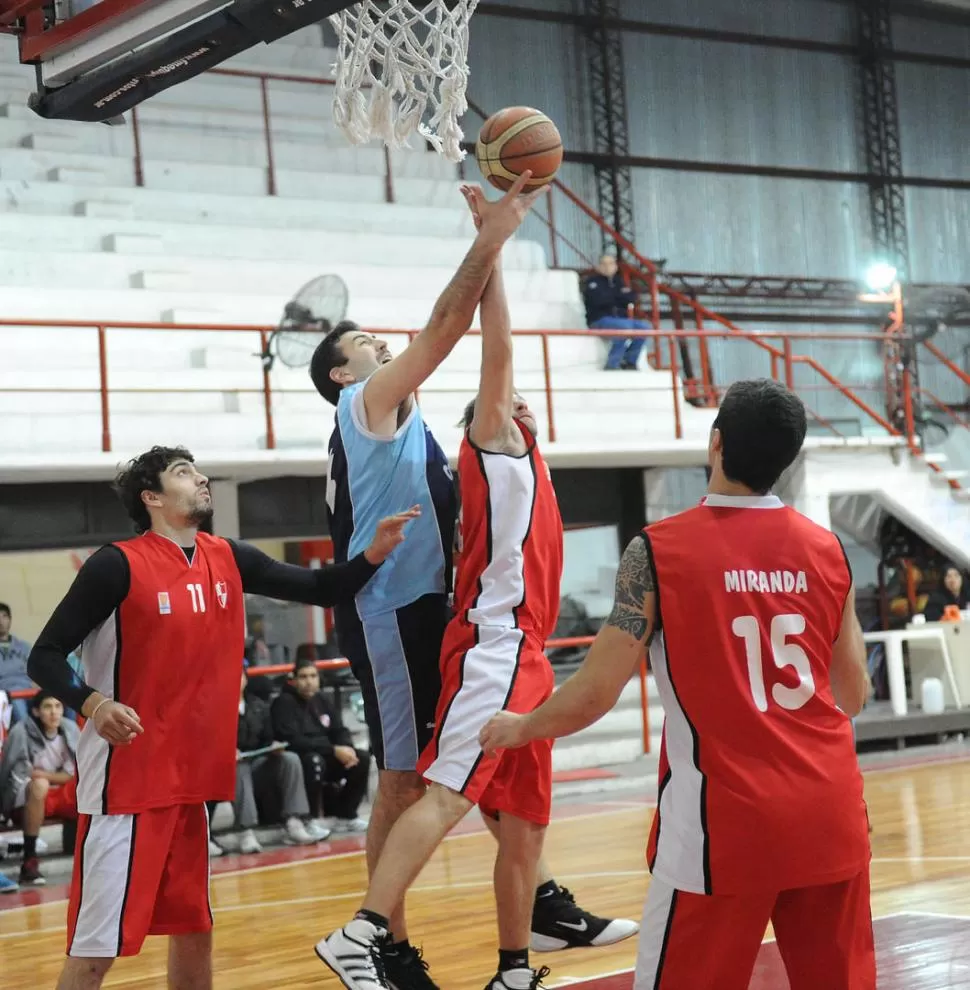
(747, 105)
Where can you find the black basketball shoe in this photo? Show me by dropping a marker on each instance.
(558, 922)
(407, 969)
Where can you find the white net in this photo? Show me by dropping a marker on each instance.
(403, 67)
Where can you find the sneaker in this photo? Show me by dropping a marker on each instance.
(249, 844)
(347, 826)
(30, 875)
(8, 886)
(215, 849)
(407, 969)
(295, 833)
(317, 829)
(558, 922)
(518, 979)
(354, 953)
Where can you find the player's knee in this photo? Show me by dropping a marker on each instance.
(86, 973)
(451, 804)
(400, 788)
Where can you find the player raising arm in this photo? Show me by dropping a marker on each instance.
(383, 456)
(161, 618)
(506, 605)
(749, 612)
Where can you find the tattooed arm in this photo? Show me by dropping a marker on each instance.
(594, 689)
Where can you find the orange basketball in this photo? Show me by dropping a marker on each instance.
(516, 139)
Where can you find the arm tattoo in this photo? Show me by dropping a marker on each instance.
(633, 582)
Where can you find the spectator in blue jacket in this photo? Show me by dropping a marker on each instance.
(608, 301)
(13, 665)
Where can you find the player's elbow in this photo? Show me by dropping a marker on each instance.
(852, 692)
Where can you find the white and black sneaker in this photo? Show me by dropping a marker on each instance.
(558, 922)
(518, 979)
(354, 954)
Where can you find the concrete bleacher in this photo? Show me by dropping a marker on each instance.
(203, 242)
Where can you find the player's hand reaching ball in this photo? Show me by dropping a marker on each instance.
(390, 534)
(504, 731)
(116, 723)
(501, 218)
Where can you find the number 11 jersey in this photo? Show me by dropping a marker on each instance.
(760, 788)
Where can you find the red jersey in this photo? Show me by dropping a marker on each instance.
(173, 652)
(510, 562)
(760, 788)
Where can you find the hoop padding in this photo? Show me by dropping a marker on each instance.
(413, 58)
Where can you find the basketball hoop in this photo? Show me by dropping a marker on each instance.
(413, 57)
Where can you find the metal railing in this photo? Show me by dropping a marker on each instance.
(779, 346)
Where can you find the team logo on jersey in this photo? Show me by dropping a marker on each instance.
(164, 603)
(222, 593)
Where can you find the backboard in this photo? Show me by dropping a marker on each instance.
(96, 60)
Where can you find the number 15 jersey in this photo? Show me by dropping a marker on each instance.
(760, 787)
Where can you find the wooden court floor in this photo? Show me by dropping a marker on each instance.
(270, 909)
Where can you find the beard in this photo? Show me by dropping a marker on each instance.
(200, 515)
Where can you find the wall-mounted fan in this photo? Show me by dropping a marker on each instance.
(307, 318)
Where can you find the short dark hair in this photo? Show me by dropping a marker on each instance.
(302, 662)
(468, 415)
(39, 698)
(5, 608)
(328, 356)
(762, 428)
(144, 473)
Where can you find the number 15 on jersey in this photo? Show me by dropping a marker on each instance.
(784, 654)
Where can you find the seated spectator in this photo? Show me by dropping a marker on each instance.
(953, 591)
(608, 301)
(335, 772)
(37, 776)
(13, 664)
(277, 773)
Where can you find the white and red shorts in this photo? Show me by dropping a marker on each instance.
(138, 875)
(500, 670)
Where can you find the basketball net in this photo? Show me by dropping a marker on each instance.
(413, 58)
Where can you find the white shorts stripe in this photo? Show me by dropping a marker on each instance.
(107, 855)
(654, 929)
(682, 845)
(488, 673)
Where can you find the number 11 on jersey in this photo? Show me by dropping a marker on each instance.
(198, 597)
(784, 654)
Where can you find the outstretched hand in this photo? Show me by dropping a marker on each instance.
(390, 534)
(501, 218)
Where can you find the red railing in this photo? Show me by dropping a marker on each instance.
(552, 644)
(783, 363)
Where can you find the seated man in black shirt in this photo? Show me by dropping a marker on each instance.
(265, 778)
(335, 772)
(608, 300)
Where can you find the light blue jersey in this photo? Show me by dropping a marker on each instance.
(371, 477)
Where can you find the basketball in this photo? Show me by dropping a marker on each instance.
(516, 139)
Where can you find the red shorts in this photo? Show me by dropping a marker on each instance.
(61, 802)
(138, 875)
(698, 942)
(497, 672)
(59, 805)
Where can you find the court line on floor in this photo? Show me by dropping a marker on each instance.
(358, 894)
(920, 859)
(612, 812)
